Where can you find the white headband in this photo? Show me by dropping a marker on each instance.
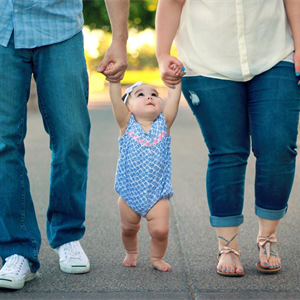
(130, 89)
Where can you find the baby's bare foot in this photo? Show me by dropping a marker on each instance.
(130, 260)
(161, 265)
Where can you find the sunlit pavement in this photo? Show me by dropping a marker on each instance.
(192, 247)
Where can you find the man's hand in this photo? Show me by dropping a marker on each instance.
(114, 63)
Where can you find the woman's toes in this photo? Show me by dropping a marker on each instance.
(278, 262)
(228, 269)
(239, 269)
(264, 262)
(220, 268)
(274, 262)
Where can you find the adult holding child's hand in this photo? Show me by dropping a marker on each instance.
(169, 77)
(116, 55)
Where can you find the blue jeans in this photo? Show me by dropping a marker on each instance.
(62, 85)
(265, 108)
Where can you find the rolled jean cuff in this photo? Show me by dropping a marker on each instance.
(270, 214)
(231, 221)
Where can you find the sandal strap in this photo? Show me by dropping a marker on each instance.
(262, 240)
(226, 250)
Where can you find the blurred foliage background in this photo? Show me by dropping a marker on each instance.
(141, 42)
(142, 64)
(141, 14)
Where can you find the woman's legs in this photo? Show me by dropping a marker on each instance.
(274, 104)
(222, 113)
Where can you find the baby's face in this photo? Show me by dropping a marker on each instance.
(145, 102)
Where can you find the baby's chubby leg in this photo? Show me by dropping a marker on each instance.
(130, 225)
(158, 226)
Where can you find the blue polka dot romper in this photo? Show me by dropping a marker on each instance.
(144, 167)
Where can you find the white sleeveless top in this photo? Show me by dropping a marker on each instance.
(233, 39)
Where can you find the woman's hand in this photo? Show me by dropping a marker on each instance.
(297, 65)
(171, 70)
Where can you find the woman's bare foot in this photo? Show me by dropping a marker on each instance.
(229, 253)
(161, 265)
(130, 260)
(268, 255)
(230, 263)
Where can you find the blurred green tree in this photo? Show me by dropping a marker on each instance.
(141, 14)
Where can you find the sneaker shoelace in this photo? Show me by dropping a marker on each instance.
(71, 251)
(13, 265)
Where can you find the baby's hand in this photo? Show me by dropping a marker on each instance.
(110, 66)
(177, 70)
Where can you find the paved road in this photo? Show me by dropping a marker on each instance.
(192, 248)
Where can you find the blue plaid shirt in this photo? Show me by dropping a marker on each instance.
(39, 22)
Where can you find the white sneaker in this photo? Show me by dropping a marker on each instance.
(72, 258)
(15, 272)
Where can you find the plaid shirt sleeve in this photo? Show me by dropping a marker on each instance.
(39, 22)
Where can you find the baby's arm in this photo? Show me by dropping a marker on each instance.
(171, 106)
(167, 22)
(121, 112)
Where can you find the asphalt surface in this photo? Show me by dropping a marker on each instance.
(192, 247)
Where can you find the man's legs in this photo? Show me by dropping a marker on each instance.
(62, 84)
(19, 233)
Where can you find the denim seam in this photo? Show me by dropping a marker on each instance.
(34, 242)
(208, 184)
(21, 132)
(45, 116)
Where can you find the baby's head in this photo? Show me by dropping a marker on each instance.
(143, 101)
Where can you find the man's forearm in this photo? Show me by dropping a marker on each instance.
(118, 11)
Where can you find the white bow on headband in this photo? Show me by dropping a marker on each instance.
(130, 89)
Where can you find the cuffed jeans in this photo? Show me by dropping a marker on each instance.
(62, 85)
(267, 108)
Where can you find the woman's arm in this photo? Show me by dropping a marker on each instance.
(117, 52)
(121, 113)
(171, 106)
(293, 12)
(167, 22)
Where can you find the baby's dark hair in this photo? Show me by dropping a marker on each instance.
(130, 90)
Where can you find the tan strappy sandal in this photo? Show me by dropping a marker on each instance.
(227, 250)
(269, 244)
